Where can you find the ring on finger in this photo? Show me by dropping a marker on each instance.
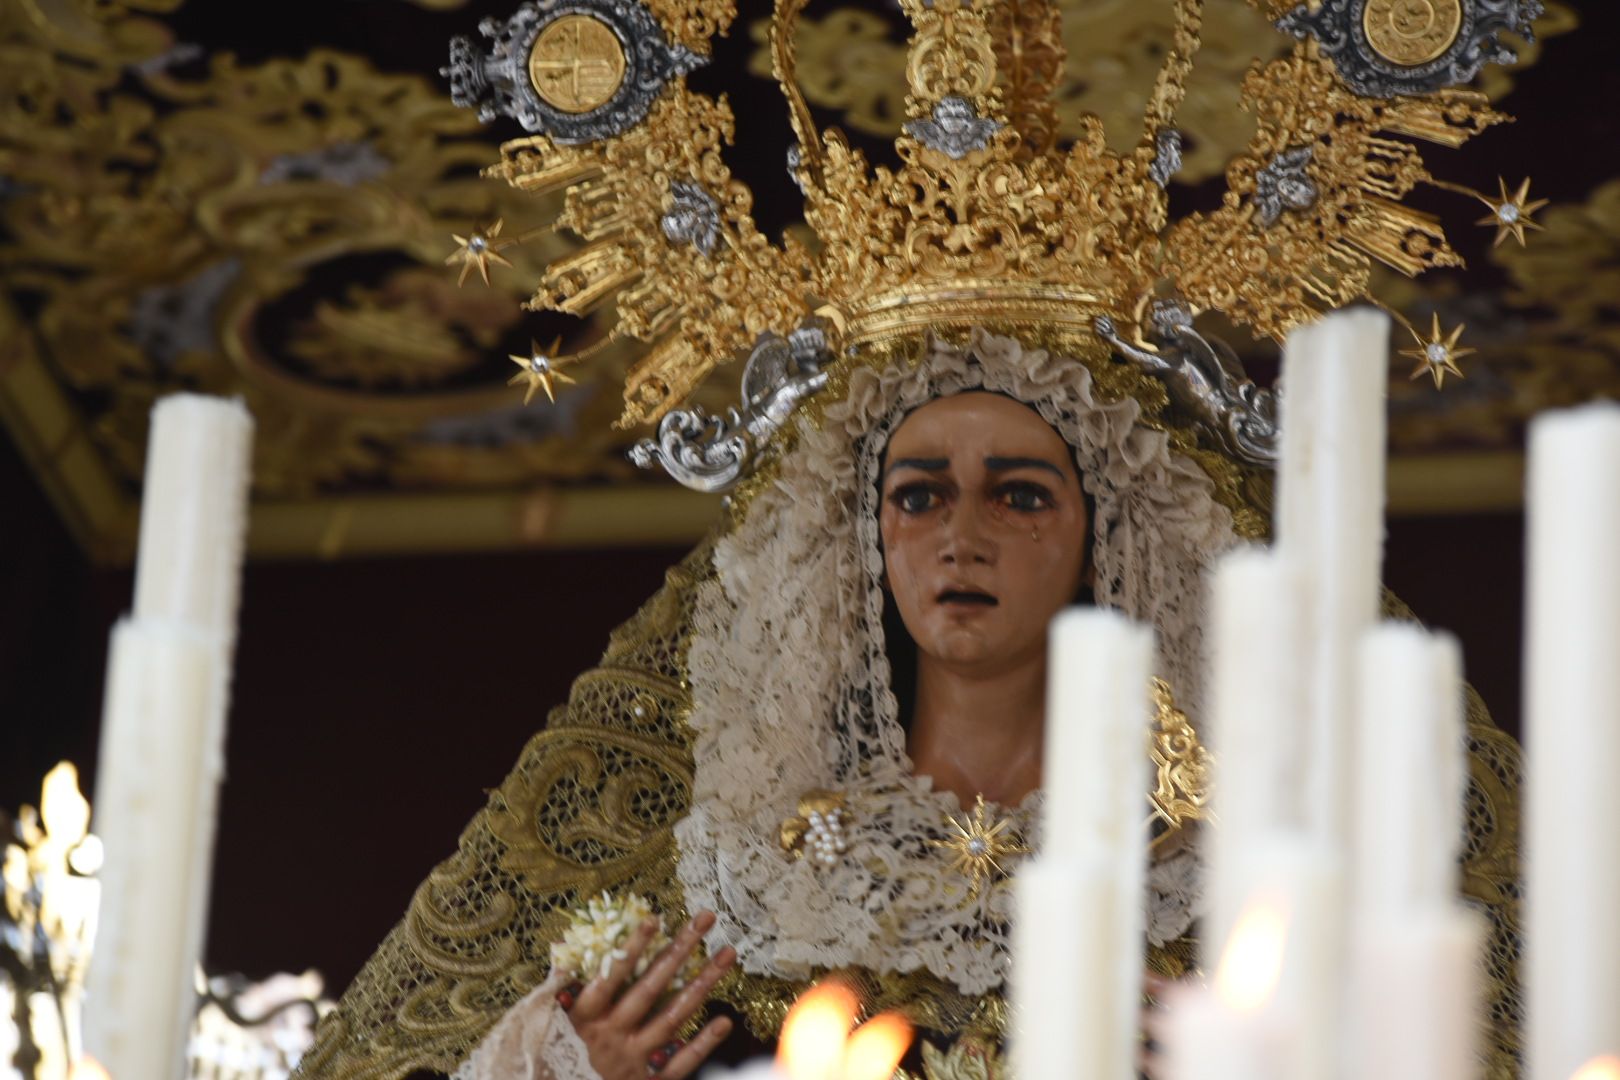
(660, 1058)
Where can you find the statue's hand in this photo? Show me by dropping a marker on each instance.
(623, 1031)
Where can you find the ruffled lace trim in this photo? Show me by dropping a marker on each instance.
(534, 1041)
(791, 686)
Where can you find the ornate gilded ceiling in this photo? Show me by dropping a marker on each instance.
(261, 203)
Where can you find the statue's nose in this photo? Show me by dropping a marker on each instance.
(967, 538)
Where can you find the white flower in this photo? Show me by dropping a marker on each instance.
(599, 933)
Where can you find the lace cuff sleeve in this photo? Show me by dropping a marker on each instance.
(533, 1041)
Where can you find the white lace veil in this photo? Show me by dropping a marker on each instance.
(791, 684)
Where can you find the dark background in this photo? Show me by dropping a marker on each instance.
(376, 701)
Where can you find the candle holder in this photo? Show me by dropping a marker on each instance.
(241, 1030)
(47, 927)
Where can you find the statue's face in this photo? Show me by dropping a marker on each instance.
(984, 528)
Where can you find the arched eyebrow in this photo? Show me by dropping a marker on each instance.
(1007, 464)
(933, 464)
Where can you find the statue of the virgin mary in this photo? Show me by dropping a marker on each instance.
(818, 747)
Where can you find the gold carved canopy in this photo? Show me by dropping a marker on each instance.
(263, 207)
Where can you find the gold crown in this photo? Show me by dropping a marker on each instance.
(986, 220)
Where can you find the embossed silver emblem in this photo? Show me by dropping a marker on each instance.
(1382, 49)
(1284, 185)
(601, 65)
(1166, 157)
(693, 218)
(1206, 381)
(955, 129)
(711, 453)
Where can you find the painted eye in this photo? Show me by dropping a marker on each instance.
(1026, 497)
(914, 498)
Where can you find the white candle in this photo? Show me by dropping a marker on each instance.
(1572, 710)
(1249, 1023)
(1205, 1037)
(1416, 1002)
(163, 733)
(154, 797)
(1330, 503)
(1095, 764)
(1282, 962)
(1062, 957)
(1094, 761)
(1255, 707)
(1410, 764)
(1303, 878)
(194, 512)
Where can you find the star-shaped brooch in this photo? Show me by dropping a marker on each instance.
(980, 844)
(1511, 213)
(480, 249)
(1437, 355)
(539, 371)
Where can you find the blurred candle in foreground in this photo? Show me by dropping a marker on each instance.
(1292, 926)
(1061, 999)
(1255, 708)
(1410, 762)
(1606, 1067)
(162, 740)
(1229, 1030)
(1330, 516)
(1079, 931)
(151, 811)
(1417, 1006)
(1572, 741)
(194, 512)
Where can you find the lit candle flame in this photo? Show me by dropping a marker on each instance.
(1251, 964)
(814, 1033)
(877, 1046)
(817, 1044)
(65, 812)
(1604, 1067)
(88, 1068)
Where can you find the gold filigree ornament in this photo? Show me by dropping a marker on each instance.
(1181, 767)
(986, 220)
(978, 844)
(968, 1058)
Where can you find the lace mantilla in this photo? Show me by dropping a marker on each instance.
(791, 685)
(533, 1041)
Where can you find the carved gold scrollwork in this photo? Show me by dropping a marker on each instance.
(951, 55)
(1181, 764)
